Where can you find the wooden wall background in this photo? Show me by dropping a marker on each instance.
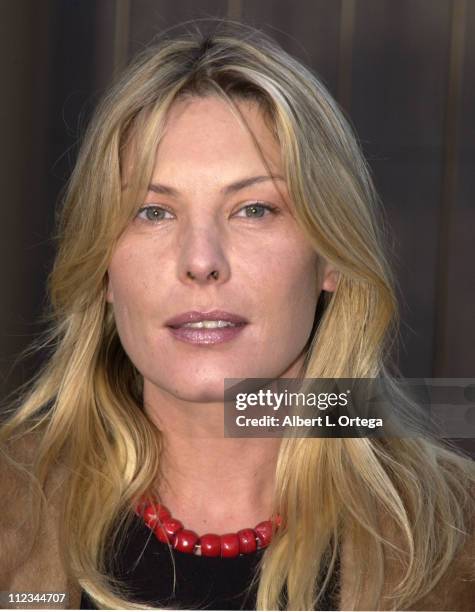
(403, 70)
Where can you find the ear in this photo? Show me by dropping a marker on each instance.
(330, 277)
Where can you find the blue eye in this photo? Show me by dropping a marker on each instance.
(152, 213)
(257, 210)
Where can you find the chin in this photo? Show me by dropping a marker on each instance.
(203, 387)
(199, 392)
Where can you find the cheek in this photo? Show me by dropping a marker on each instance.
(292, 277)
(288, 288)
(136, 299)
(132, 285)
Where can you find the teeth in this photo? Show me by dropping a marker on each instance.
(209, 324)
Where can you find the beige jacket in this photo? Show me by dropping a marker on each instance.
(24, 568)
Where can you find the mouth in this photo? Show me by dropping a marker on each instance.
(213, 318)
(206, 327)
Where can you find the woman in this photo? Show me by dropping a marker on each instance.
(221, 223)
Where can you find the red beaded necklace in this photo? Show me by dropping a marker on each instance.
(170, 530)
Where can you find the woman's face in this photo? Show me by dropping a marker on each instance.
(210, 236)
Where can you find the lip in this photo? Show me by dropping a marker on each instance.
(193, 316)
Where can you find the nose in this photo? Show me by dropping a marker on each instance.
(203, 258)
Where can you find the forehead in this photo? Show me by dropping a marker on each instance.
(208, 134)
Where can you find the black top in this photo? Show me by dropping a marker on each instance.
(144, 565)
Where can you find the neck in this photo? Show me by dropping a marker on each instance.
(209, 482)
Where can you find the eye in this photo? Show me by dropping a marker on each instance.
(152, 213)
(257, 210)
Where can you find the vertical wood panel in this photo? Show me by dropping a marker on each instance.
(121, 33)
(460, 320)
(111, 40)
(235, 9)
(448, 192)
(48, 50)
(398, 100)
(112, 35)
(307, 30)
(17, 161)
(345, 54)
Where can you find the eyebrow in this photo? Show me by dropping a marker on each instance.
(227, 190)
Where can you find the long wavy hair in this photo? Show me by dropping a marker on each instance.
(84, 408)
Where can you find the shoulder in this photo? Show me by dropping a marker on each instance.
(19, 521)
(17, 464)
(16, 485)
(450, 588)
(24, 497)
(30, 553)
(456, 589)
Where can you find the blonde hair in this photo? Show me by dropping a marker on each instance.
(85, 403)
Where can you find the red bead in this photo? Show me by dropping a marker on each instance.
(229, 545)
(154, 513)
(210, 545)
(163, 512)
(264, 533)
(150, 515)
(247, 541)
(185, 540)
(167, 530)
